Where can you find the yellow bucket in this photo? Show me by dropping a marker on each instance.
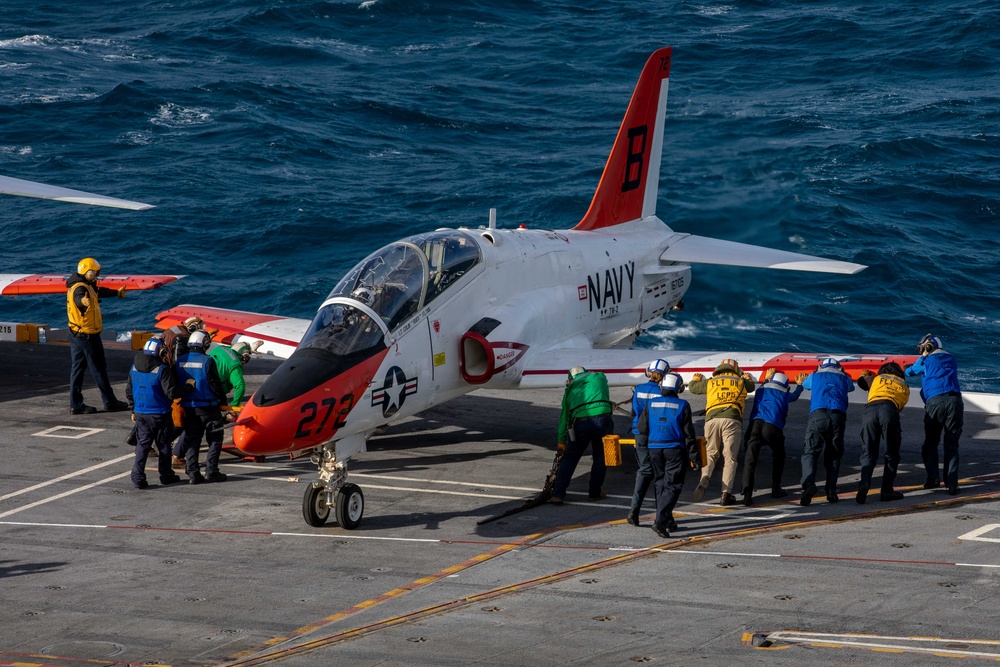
(612, 451)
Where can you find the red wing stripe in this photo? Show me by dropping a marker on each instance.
(56, 284)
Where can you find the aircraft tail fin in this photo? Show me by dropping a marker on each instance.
(628, 187)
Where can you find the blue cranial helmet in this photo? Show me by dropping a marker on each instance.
(781, 379)
(671, 382)
(153, 347)
(660, 366)
(830, 362)
(928, 344)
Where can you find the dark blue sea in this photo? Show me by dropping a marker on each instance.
(283, 141)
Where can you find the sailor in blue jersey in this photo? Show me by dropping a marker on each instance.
(825, 430)
(202, 417)
(150, 389)
(767, 427)
(944, 410)
(669, 429)
(641, 396)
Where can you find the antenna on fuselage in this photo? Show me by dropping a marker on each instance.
(493, 218)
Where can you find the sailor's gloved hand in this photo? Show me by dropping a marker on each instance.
(121, 292)
(190, 382)
(133, 416)
(747, 376)
(770, 373)
(697, 377)
(695, 463)
(867, 373)
(561, 447)
(800, 378)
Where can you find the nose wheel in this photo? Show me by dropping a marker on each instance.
(332, 491)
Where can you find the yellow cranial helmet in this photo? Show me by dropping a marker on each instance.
(88, 264)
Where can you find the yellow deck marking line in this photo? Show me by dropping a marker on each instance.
(249, 658)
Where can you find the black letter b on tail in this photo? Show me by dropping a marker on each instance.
(633, 163)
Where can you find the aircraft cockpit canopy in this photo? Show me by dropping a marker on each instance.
(398, 280)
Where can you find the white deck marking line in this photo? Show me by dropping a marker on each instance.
(394, 478)
(976, 534)
(51, 432)
(365, 537)
(71, 475)
(63, 495)
(442, 492)
(866, 641)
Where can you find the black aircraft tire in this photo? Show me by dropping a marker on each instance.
(350, 506)
(314, 508)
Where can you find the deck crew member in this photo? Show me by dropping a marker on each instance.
(726, 391)
(202, 416)
(641, 396)
(944, 410)
(887, 396)
(667, 424)
(229, 362)
(767, 427)
(151, 389)
(584, 421)
(829, 385)
(83, 309)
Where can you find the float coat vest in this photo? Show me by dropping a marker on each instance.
(940, 374)
(641, 397)
(829, 388)
(725, 391)
(194, 364)
(88, 322)
(770, 403)
(889, 388)
(666, 423)
(147, 392)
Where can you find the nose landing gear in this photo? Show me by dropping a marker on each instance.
(332, 491)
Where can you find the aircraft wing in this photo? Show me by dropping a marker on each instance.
(22, 188)
(627, 367)
(14, 284)
(279, 336)
(703, 250)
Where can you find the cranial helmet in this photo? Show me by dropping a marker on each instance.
(576, 370)
(194, 323)
(660, 366)
(153, 347)
(830, 362)
(88, 264)
(928, 344)
(671, 382)
(242, 351)
(727, 366)
(199, 340)
(780, 378)
(364, 295)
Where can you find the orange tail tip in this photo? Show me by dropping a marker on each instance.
(628, 187)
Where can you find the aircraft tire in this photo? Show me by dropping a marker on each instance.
(350, 506)
(314, 508)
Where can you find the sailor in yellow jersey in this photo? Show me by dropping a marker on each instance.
(727, 391)
(83, 309)
(887, 395)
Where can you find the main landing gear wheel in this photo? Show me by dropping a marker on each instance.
(315, 509)
(350, 506)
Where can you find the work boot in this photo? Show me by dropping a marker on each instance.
(672, 525)
(808, 491)
(84, 410)
(633, 517)
(953, 490)
(216, 477)
(699, 492)
(727, 499)
(600, 496)
(167, 481)
(747, 498)
(195, 478)
(862, 495)
(660, 530)
(832, 497)
(890, 495)
(778, 492)
(116, 406)
(177, 463)
(931, 485)
(556, 500)
(142, 485)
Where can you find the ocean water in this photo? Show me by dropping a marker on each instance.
(283, 141)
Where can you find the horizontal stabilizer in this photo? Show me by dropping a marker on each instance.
(22, 188)
(279, 336)
(14, 284)
(703, 250)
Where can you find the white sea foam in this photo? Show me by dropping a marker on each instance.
(173, 115)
